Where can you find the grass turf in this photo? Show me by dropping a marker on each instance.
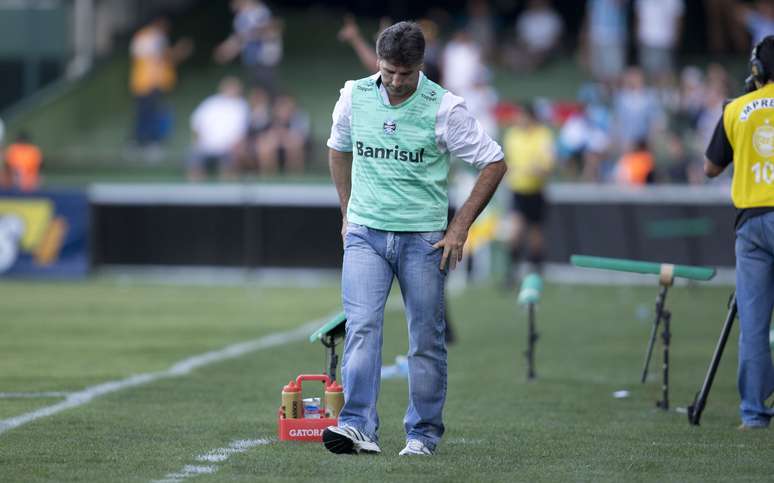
(564, 426)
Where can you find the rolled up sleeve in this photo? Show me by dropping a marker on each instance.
(466, 139)
(341, 129)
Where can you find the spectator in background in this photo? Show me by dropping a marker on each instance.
(152, 76)
(717, 76)
(482, 99)
(480, 26)
(680, 166)
(5, 175)
(257, 37)
(529, 153)
(433, 49)
(259, 121)
(23, 161)
(584, 139)
(539, 31)
(350, 34)
(758, 20)
(712, 110)
(604, 38)
(723, 29)
(219, 126)
(284, 139)
(691, 95)
(659, 27)
(637, 113)
(636, 167)
(461, 63)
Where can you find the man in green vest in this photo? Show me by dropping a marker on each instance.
(392, 136)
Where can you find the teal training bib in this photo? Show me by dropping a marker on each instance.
(399, 176)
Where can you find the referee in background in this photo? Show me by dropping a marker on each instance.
(745, 136)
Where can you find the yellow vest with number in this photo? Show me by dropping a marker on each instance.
(749, 125)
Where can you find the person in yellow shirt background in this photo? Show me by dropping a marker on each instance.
(530, 155)
(153, 74)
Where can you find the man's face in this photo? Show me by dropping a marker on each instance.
(400, 81)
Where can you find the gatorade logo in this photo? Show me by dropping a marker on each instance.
(296, 433)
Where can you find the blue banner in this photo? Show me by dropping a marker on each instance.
(44, 234)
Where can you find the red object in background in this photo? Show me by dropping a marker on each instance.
(305, 429)
(563, 110)
(505, 112)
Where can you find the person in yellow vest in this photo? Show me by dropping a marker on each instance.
(153, 75)
(744, 136)
(529, 153)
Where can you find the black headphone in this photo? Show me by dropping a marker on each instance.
(758, 73)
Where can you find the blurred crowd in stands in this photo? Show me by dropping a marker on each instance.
(248, 125)
(632, 122)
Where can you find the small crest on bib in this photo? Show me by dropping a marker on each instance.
(389, 126)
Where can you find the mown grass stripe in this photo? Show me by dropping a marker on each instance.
(178, 369)
(33, 395)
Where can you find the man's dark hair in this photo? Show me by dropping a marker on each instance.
(402, 44)
(766, 56)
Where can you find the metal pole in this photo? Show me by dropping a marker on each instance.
(531, 339)
(333, 359)
(666, 337)
(695, 409)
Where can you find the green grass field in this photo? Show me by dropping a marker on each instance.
(564, 426)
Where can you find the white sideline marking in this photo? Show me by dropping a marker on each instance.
(79, 398)
(33, 395)
(214, 456)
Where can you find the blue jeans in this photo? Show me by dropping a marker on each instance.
(755, 300)
(372, 258)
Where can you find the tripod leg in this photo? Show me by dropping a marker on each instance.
(666, 338)
(695, 409)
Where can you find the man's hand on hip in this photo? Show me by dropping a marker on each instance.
(452, 243)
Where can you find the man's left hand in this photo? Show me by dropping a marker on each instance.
(452, 243)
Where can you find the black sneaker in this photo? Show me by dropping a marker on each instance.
(348, 440)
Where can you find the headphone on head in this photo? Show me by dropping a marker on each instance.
(758, 73)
